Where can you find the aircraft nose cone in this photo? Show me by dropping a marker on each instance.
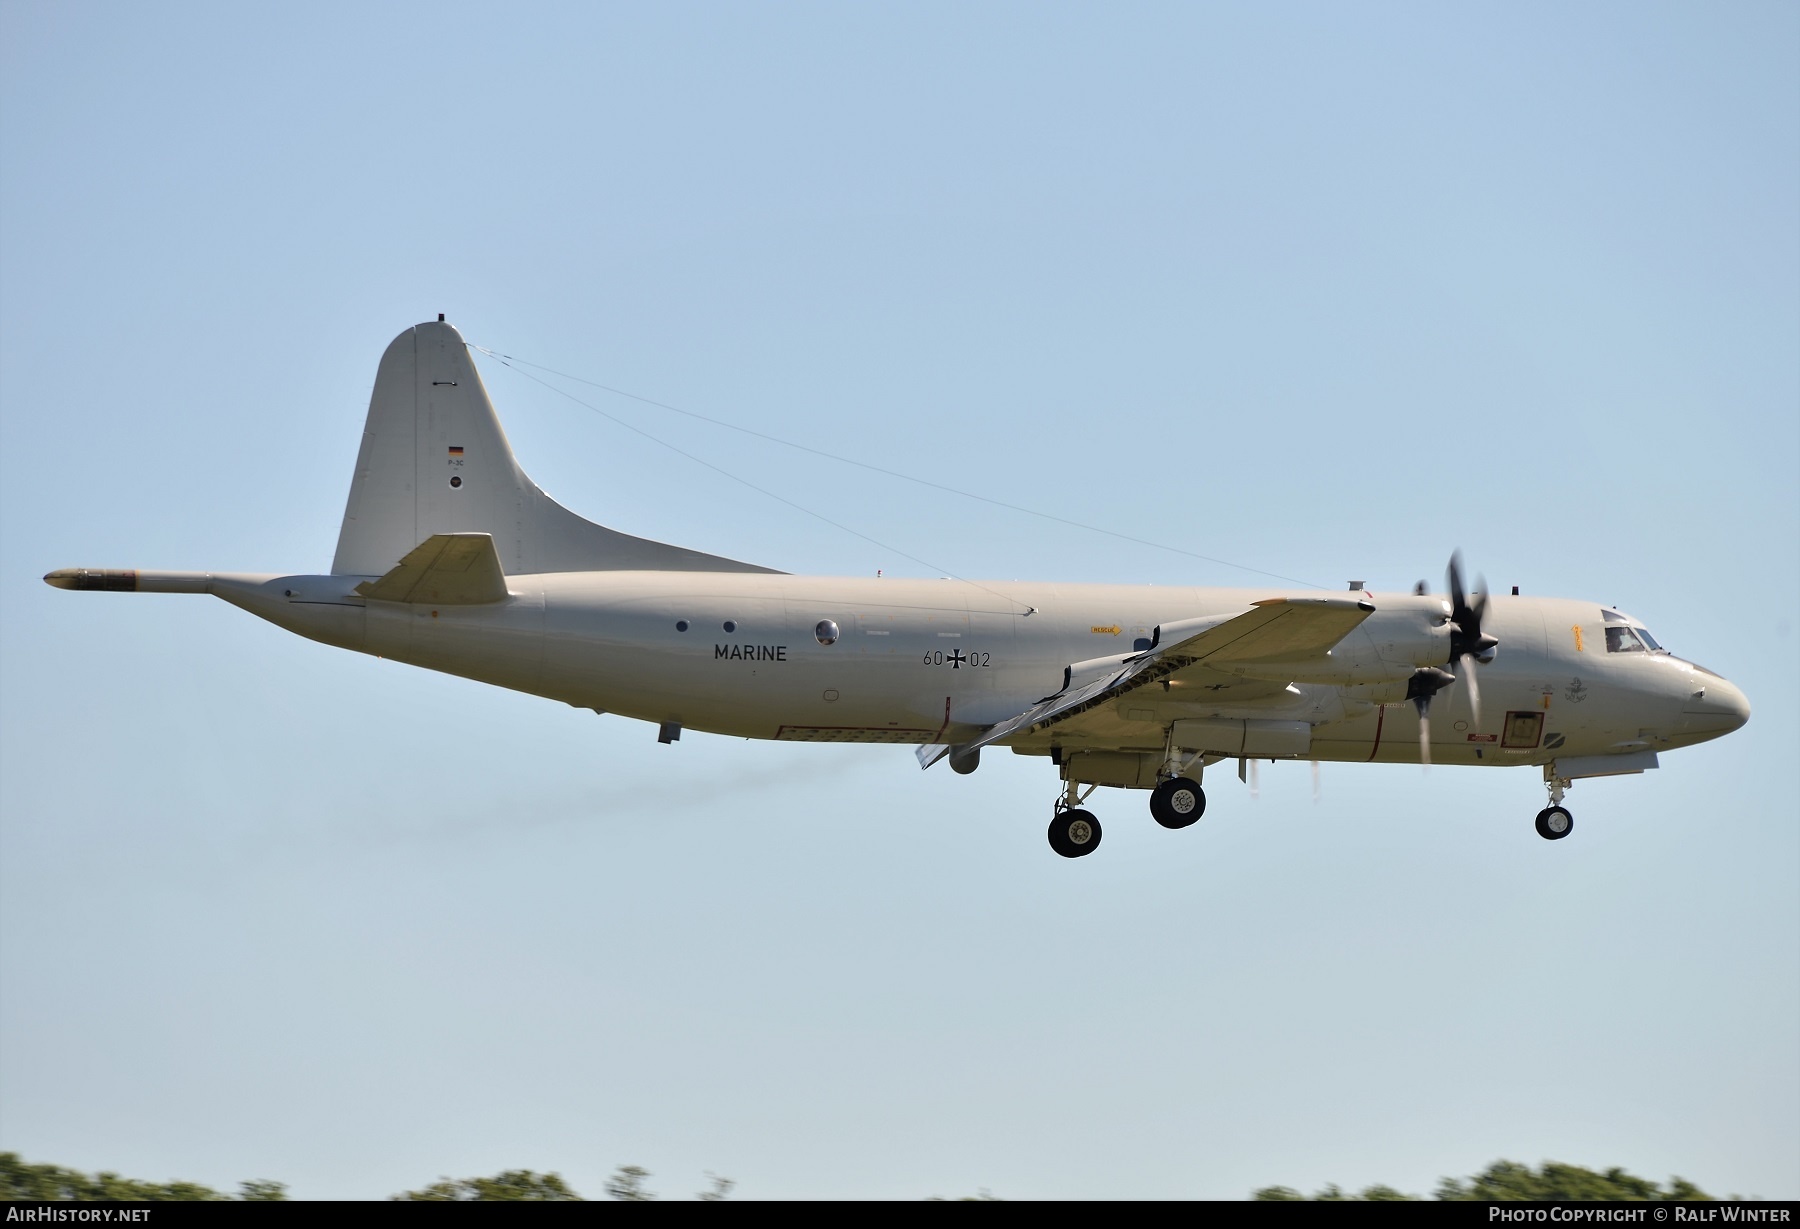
(1714, 707)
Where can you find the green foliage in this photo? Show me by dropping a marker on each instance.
(261, 1190)
(1385, 1194)
(1277, 1194)
(519, 1184)
(1509, 1180)
(1331, 1194)
(627, 1183)
(20, 1179)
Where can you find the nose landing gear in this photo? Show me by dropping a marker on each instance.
(1554, 822)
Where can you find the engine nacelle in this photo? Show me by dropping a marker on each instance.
(1377, 693)
(1402, 634)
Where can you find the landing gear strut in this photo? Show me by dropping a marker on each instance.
(1554, 822)
(1178, 800)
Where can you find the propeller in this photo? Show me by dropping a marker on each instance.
(1425, 683)
(1468, 643)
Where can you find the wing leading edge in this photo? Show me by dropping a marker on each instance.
(1280, 629)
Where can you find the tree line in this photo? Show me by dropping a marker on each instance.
(1503, 1181)
(1509, 1181)
(22, 1180)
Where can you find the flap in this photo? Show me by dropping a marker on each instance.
(446, 569)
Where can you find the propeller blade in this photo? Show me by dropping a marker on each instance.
(1466, 637)
(1468, 665)
(1423, 704)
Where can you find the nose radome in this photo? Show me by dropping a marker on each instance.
(1740, 705)
(1716, 707)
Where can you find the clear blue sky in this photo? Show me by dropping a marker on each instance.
(1321, 289)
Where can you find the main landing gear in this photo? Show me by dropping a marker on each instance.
(1075, 833)
(1554, 822)
(1177, 802)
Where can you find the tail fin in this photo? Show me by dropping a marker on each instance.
(435, 461)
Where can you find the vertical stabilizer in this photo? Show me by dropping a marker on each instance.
(435, 461)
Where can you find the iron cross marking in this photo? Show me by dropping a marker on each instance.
(956, 660)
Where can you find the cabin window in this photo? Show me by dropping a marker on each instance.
(681, 625)
(826, 631)
(730, 625)
(1623, 640)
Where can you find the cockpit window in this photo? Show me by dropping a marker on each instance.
(1623, 640)
(1647, 638)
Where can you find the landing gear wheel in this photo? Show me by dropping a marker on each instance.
(1074, 833)
(1554, 823)
(1177, 802)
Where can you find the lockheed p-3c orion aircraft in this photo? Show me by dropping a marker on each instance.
(452, 559)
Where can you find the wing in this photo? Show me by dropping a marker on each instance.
(1277, 630)
(446, 569)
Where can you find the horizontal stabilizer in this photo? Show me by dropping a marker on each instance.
(446, 569)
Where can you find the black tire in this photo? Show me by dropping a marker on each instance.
(1554, 823)
(1074, 834)
(1177, 802)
